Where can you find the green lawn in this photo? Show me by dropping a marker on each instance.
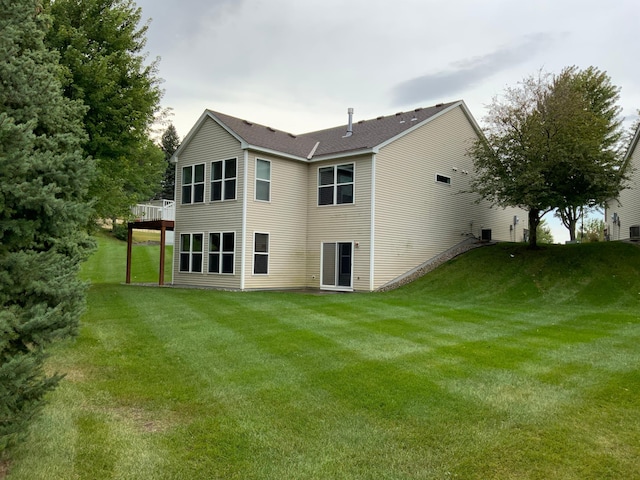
(503, 364)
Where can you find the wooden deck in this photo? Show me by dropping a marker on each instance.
(163, 226)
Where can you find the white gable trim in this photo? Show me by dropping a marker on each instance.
(460, 104)
(194, 130)
(632, 146)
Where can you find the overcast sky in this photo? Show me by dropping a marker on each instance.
(297, 65)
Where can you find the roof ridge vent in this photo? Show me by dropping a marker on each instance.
(292, 135)
(271, 129)
(247, 122)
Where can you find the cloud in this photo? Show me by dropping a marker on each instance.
(469, 72)
(175, 22)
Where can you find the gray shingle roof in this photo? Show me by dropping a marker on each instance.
(367, 134)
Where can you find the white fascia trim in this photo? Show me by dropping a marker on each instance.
(268, 151)
(424, 122)
(191, 134)
(632, 146)
(372, 241)
(243, 248)
(356, 153)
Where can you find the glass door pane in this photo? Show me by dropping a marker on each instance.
(344, 264)
(328, 264)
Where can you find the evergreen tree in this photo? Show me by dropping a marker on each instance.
(102, 49)
(44, 178)
(169, 143)
(544, 232)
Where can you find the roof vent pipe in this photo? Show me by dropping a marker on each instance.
(350, 125)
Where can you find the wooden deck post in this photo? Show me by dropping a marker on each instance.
(129, 243)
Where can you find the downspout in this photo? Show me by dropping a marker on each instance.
(176, 251)
(243, 248)
(372, 241)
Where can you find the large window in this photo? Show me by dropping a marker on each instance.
(335, 184)
(222, 248)
(263, 180)
(193, 184)
(223, 180)
(191, 252)
(261, 254)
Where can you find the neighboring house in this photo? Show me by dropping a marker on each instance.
(622, 215)
(350, 208)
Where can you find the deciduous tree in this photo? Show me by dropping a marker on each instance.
(101, 44)
(550, 144)
(44, 178)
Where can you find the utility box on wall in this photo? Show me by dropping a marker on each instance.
(485, 235)
(634, 232)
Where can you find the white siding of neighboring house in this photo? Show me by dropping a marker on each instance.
(627, 206)
(340, 223)
(284, 218)
(417, 218)
(210, 143)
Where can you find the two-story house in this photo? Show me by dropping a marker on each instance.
(349, 208)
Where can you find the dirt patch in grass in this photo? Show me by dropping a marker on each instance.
(4, 468)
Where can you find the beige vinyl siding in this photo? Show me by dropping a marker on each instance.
(627, 206)
(341, 223)
(284, 218)
(416, 218)
(210, 143)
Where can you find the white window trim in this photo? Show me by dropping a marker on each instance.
(222, 182)
(267, 254)
(222, 252)
(335, 185)
(193, 184)
(443, 176)
(190, 252)
(255, 184)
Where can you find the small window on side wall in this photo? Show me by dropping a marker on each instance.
(443, 179)
(261, 254)
(263, 180)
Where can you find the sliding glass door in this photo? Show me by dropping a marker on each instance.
(337, 266)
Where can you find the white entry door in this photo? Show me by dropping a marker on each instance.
(337, 266)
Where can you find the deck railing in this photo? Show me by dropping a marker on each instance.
(155, 210)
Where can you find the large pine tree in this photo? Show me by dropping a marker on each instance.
(44, 179)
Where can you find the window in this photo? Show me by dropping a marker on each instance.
(261, 254)
(191, 252)
(222, 248)
(443, 179)
(335, 184)
(193, 184)
(263, 180)
(223, 180)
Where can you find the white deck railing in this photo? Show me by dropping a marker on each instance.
(155, 210)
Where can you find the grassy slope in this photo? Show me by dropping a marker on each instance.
(504, 363)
